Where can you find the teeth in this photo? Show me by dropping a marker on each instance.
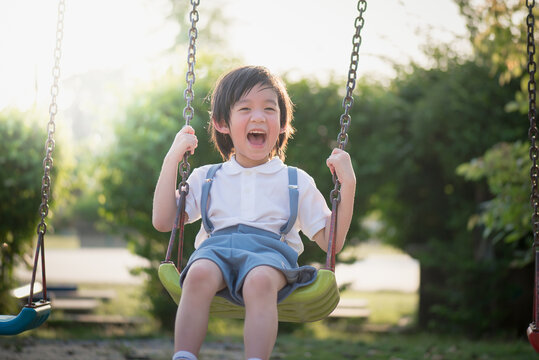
(257, 132)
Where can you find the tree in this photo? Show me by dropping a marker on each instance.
(210, 29)
(505, 217)
(441, 118)
(499, 35)
(497, 32)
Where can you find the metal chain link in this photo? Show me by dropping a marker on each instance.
(51, 125)
(348, 101)
(188, 112)
(533, 132)
(189, 94)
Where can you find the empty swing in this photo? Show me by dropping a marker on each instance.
(309, 303)
(34, 314)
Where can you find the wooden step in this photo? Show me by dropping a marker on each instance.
(351, 308)
(99, 319)
(24, 291)
(82, 305)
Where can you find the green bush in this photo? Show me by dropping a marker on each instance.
(21, 164)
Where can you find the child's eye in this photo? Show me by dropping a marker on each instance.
(244, 109)
(270, 109)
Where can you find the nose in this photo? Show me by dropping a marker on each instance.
(258, 116)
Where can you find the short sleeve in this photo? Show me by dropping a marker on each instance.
(192, 204)
(313, 210)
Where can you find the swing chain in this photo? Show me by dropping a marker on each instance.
(188, 112)
(348, 101)
(51, 125)
(342, 138)
(533, 132)
(189, 94)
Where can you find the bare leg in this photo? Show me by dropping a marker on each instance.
(203, 280)
(261, 318)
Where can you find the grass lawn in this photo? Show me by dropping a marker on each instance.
(390, 346)
(332, 340)
(355, 339)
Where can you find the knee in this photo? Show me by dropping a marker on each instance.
(203, 277)
(262, 283)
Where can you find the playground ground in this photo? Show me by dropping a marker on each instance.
(387, 333)
(386, 346)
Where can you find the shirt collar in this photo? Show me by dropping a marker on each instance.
(232, 167)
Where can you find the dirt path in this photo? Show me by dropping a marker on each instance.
(141, 349)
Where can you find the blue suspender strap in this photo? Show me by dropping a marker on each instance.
(293, 198)
(208, 226)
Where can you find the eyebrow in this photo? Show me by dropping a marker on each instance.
(244, 101)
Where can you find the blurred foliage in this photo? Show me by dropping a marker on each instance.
(210, 26)
(506, 216)
(437, 120)
(316, 119)
(498, 34)
(129, 170)
(441, 118)
(497, 30)
(21, 160)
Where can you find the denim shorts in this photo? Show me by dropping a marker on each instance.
(239, 249)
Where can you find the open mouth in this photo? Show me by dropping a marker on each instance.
(256, 137)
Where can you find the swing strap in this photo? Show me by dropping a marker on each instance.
(292, 191)
(293, 195)
(204, 198)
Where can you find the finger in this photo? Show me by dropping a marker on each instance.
(329, 163)
(187, 129)
(338, 152)
(195, 145)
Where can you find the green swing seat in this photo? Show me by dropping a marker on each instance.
(306, 304)
(29, 318)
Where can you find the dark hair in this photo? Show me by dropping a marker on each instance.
(230, 88)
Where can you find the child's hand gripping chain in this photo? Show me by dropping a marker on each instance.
(164, 204)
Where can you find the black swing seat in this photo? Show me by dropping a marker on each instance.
(29, 318)
(306, 304)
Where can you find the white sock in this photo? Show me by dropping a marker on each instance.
(184, 355)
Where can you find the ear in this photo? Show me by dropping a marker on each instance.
(222, 128)
(283, 130)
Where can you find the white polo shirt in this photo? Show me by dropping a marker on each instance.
(258, 197)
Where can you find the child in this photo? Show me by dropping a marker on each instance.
(252, 208)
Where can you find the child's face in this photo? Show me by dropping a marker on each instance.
(254, 126)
